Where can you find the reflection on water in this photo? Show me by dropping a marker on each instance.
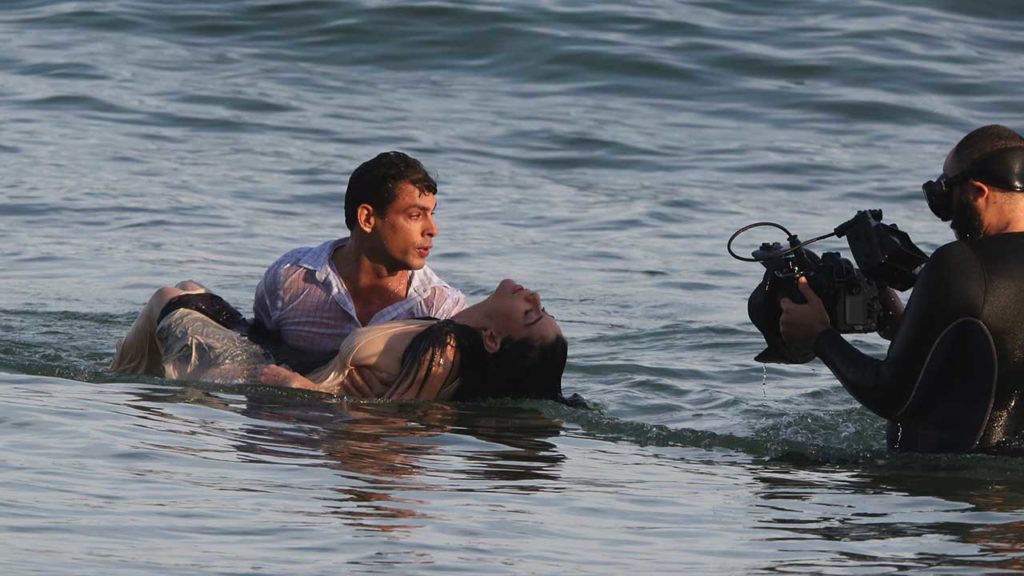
(246, 477)
(991, 518)
(896, 513)
(381, 450)
(394, 463)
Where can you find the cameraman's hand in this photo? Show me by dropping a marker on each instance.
(892, 308)
(800, 324)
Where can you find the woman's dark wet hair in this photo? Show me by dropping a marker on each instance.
(518, 369)
(375, 182)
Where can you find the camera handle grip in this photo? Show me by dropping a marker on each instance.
(788, 287)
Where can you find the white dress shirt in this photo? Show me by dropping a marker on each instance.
(302, 297)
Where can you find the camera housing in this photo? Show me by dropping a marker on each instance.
(884, 252)
(851, 295)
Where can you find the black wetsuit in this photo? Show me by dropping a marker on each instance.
(983, 280)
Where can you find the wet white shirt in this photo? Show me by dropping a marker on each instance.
(302, 297)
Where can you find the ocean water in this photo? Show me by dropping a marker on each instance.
(601, 154)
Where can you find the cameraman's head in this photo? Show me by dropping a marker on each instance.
(979, 185)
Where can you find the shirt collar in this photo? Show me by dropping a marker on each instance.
(423, 281)
(319, 258)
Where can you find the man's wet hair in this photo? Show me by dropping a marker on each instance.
(984, 140)
(375, 182)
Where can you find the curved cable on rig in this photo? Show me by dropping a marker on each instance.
(728, 245)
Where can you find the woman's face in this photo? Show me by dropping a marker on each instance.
(516, 312)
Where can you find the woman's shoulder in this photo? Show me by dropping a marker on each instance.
(367, 343)
(409, 325)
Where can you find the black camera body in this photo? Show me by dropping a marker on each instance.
(850, 298)
(851, 295)
(884, 252)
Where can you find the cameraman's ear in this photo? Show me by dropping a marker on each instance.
(978, 191)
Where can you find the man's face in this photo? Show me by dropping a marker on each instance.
(966, 222)
(404, 234)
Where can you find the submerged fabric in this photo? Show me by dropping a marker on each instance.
(980, 280)
(209, 304)
(195, 347)
(303, 299)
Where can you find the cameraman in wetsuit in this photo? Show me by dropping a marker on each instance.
(954, 372)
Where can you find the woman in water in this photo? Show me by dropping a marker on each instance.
(504, 346)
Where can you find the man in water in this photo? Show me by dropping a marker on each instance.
(954, 372)
(312, 297)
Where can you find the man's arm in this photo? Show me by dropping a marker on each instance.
(268, 300)
(951, 287)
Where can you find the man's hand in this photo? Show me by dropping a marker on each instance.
(892, 307)
(800, 324)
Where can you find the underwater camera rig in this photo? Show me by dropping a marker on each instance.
(886, 257)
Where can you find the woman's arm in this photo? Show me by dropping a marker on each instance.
(430, 378)
(358, 382)
(275, 375)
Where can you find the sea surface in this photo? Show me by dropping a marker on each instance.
(601, 154)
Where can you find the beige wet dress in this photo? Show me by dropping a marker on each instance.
(369, 363)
